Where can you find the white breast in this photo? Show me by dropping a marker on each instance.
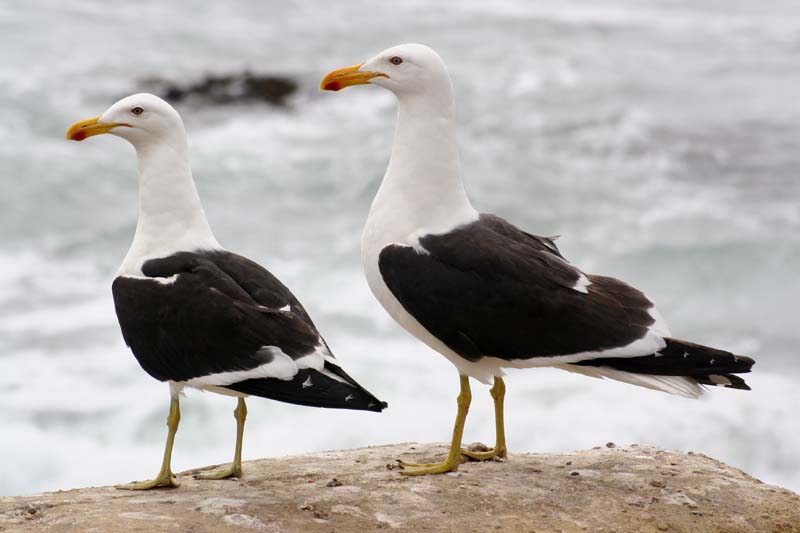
(383, 229)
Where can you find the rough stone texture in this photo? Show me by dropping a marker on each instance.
(605, 489)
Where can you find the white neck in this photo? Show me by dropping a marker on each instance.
(422, 191)
(171, 217)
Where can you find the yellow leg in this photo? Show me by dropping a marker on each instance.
(498, 393)
(235, 470)
(165, 477)
(454, 456)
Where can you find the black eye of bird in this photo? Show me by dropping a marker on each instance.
(396, 60)
(137, 111)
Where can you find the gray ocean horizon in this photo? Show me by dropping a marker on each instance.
(660, 139)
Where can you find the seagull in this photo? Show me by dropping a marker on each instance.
(486, 294)
(195, 314)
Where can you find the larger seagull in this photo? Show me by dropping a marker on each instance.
(486, 294)
(197, 315)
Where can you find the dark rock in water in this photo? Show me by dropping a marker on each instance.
(228, 89)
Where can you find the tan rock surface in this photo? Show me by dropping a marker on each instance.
(607, 489)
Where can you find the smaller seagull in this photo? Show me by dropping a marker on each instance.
(197, 315)
(486, 294)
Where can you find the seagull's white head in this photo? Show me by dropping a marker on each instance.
(140, 118)
(407, 69)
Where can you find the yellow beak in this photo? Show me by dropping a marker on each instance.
(347, 76)
(89, 127)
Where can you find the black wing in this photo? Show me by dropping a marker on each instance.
(198, 314)
(490, 289)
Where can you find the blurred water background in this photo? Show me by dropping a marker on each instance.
(660, 138)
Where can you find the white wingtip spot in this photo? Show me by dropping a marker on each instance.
(348, 398)
(307, 383)
(286, 308)
(720, 381)
(582, 284)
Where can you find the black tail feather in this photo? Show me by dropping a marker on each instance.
(314, 389)
(707, 366)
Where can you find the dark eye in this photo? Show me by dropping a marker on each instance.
(137, 111)
(396, 60)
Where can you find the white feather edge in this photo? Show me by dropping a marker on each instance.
(677, 385)
(280, 367)
(485, 368)
(163, 281)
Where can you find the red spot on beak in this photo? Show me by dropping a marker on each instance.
(78, 136)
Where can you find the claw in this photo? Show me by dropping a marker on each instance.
(168, 481)
(483, 456)
(231, 471)
(404, 465)
(432, 468)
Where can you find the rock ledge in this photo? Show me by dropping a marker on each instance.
(605, 489)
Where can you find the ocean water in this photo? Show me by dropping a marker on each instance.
(659, 138)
